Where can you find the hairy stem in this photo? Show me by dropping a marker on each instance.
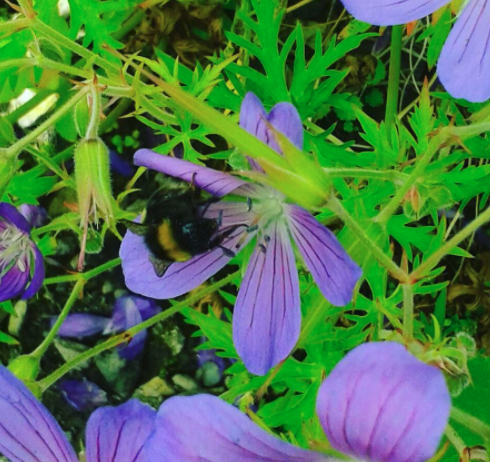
(41, 349)
(394, 76)
(407, 311)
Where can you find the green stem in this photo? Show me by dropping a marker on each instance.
(84, 276)
(394, 76)
(336, 206)
(16, 148)
(10, 27)
(119, 339)
(41, 349)
(472, 423)
(388, 175)
(455, 439)
(407, 311)
(434, 259)
(54, 36)
(95, 111)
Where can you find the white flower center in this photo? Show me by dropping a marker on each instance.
(14, 246)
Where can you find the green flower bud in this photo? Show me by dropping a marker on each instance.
(92, 175)
(25, 367)
(82, 116)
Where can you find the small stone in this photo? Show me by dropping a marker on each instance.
(184, 382)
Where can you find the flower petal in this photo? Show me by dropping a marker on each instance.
(13, 283)
(35, 215)
(391, 12)
(331, 267)
(203, 428)
(181, 277)
(267, 316)
(285, 118)
(464, 64)
(10, 214)
(28, 432)
(130, 316)
(381, 403)
(81, 325)
(216, 183)
(38, 276)
(118, 434)
(83, 394)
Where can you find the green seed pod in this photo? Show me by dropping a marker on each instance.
(25, 367)
(92, 175)
(82, 116)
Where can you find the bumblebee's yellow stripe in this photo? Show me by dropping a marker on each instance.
(167, 242)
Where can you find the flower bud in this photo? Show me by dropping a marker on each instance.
(82, 116)
(25, 367)
(93, 180)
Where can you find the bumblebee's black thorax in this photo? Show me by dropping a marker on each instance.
(176, 230)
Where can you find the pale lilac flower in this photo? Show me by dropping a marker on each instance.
(83, 394)
(379, 404)
(267, 315)
(128, 311)
(29, 433)
(35, 215)
(21, 262)
(464, 64)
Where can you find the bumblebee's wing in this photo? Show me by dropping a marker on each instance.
(160, 266)
(136, 228)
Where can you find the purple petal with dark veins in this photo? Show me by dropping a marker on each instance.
(38, 275)
(81, 325)
(82, 394)
(335, 273)
(464, 64)
(380, 403)
(118, 434)
(203, 428)
(10, 214)
(267, 315)
(14, 282)
(28, 432)
(181, 277)
(216, 183)
(391, 12)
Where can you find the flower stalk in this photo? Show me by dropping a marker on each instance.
(394, 77)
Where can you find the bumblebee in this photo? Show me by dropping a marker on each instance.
(174, 228)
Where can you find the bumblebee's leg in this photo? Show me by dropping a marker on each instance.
(227, 252)
(160, 266)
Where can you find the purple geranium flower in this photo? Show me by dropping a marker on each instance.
(464, 64)
(21, 262)
(379, 403)
(128, 311)
(267, 315)
(28, 432)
